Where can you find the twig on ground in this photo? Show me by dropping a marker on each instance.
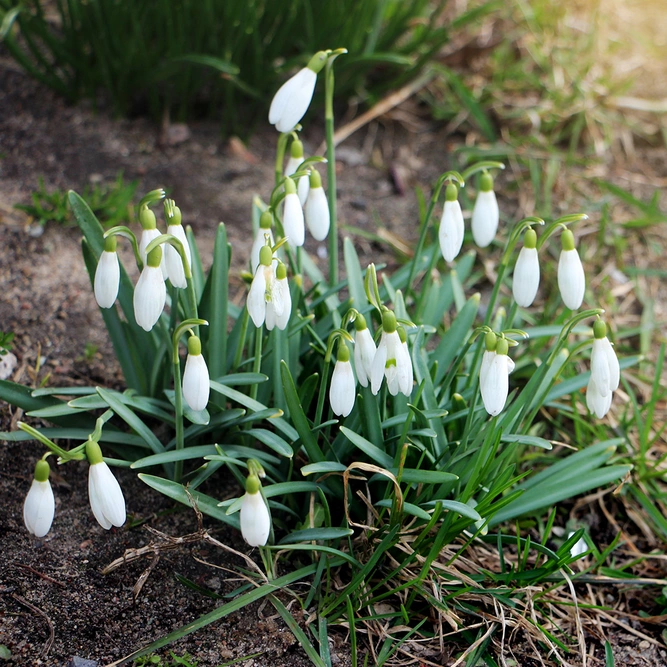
(37, 611)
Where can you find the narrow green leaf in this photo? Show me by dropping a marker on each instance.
(271, 440)
(314, 534)
(376, 455)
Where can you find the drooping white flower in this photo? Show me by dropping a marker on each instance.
(364, 350)
(406, 361)
(292, 100)
(451, 229)
(494, 385)
(255, 518)
(107, 275)
(293, 222)
(269, 299)
(279, 305)
(295, 160)
(571, 276)
(526, 278)
(40, 505)
(265, 224)
(149, 232)
(172, 259)
(150, 292)
(317, 208)
(485, 214)
(342, 391)
(104, 492)
(490, 342)
(391, 361)
(605, 372)
(196, 386)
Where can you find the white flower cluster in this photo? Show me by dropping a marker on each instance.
(269, 299)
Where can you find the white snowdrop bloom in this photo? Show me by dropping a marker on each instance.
(104, 492)
(269, 299)
(149, 232)
(107, 275)
(490, 342)
(279, 306)
(364, 350)
(150, 292)
(265, 223)
(292, 100)
(406, 361)
(195, 377)
(40, 505)
(255, 519)
(605, 372)
(342, 391)
(391, 361)
(526, 278)
(317, 208)
(485, 214)
(172, 260)
(452, 229)
(495, 386)
(579, 548)
(293, 222)
(296, 158)
(571, 276)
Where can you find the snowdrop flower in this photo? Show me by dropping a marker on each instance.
(526, 277)
(391, 360)
(293, 222)
(579, 548)
(494, 382)
(406, 356)
(571, 277)
(364, 350)
(40, 505)
(317, 208)
(255, 518)
(150, 292)
(107, 275)
(265, 224)
(279, 308)
(343, 386)
(605, 372)
(269, 299)
(296, 158)
(485, 214)
(291, 102)
(451, 225)
(149, 232)
(195, 377)
(104, 492)
(172, 258)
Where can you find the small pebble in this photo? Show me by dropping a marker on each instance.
(82, 662)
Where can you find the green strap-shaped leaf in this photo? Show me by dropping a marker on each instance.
(377, 456)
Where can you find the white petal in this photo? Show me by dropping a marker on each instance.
(571, 279)
(526, 277)
(39, 508)
(485, 216)
(255, 519)
(291, 102)
(317, 214)
(579, 548)
(379, 362)
(196, 386)
(107, 279)
(405, 372)
(282, 319)
(256, 302)
(293, 222)
(106, 497)
(260, 240)
(487, 359)
(364, 353)
(150, 295)
(600, 371)
(391, 371)
(147, 235)
(599, 405)
(451, 230)
(496, 385)
(612, 360)
(303, 183)
(342, 390)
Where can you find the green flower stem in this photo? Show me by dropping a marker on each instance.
(481, 166)
(257, 362)
(128, 234)
(323, 391)
(279, 348)
(561, 222)
(280, 155)
(238, 356)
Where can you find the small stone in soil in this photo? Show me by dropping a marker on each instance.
(82, 662)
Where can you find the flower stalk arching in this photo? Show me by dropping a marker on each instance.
(561, 223)
(481, 166)
(126, 232)
(152, 197)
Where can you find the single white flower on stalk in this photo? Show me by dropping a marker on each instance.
(342, 391)
(265, 224)
(293, 222)
(452, 229)
(107, 275)
(485, 214)
(149, 232)
(317, 208)
(150, 292)
(279, 307)
(495, 384)
(292, 100)
(195, 377)
(571, 276)
(390, 360)
(104, 492)
(40, 505)
(526, 278)
(490, 342)
(364, 350)
(255, 519)
(296, 158)
(172, 259)
(605, 372)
